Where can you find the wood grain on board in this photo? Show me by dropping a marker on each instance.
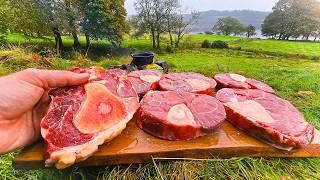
(136, 146)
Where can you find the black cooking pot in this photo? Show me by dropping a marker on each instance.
(141, 59)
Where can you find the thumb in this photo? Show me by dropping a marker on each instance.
(52, 78)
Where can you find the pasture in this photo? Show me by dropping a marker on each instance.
(288, 66)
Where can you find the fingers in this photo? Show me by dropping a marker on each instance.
(53, 78)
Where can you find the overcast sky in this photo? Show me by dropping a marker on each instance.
(203, 5)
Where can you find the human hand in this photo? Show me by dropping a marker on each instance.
(24, 101)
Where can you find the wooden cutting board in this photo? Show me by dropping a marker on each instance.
(135, 146)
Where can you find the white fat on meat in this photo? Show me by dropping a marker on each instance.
(198, 85)
(238, 77)
(181, 115)
(150, 78)
(251, 110)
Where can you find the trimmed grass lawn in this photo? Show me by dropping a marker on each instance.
(286, 74)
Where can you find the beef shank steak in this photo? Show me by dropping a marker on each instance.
(241, 82)
(187, 82)
(80, 118)
(266, 117)
(174, 115)
(145, 80)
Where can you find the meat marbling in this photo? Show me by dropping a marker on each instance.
(145, 80)
(241, 82)
(174, 115)
(187, 82)
(80, 118)
(266, 117)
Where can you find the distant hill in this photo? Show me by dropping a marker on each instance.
(209, 18)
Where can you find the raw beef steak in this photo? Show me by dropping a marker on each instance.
(80, 118)
(187, 82)
(145, 80)
(238, 81)
(266, 117)
(174, 115)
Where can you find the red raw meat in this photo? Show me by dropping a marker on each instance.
(266, 117)
(174, 115)
(187, 82)
(238, 81)
(80, 118)
(145, 80)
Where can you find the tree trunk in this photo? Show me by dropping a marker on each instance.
(177, 43)
(76, 42)
(87, 40)
(171, 39)
(153, 39)
(158, 41)
(58, 39)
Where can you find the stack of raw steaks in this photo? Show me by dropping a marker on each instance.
(174, 106)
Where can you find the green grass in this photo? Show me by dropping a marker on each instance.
(299, 48)
(287, 74)
(201, 37)
(270, 47)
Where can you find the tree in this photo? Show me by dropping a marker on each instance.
(152, 17)
(178, 25)
(96, 18)
(271, 25)
(292, 18)
(72, 12)
(38, 17)
(227, 26)
(250, 30)
(103, 19)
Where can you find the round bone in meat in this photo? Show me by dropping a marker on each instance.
(145, 80)
(241, 82)
(266, 117)
(174, 115)
(80, 118)
(187, 82)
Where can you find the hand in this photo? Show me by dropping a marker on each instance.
(24, 101)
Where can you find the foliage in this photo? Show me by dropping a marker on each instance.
(293, 18)
(3, 20)
(227, 26)
(178, 26)
(99, 19)
(205, 44)
(250, 30)
(103, 19)
(152, 16)
(219, 45)
(189, 43)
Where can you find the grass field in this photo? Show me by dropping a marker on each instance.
(271, 61)
(301, 49)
